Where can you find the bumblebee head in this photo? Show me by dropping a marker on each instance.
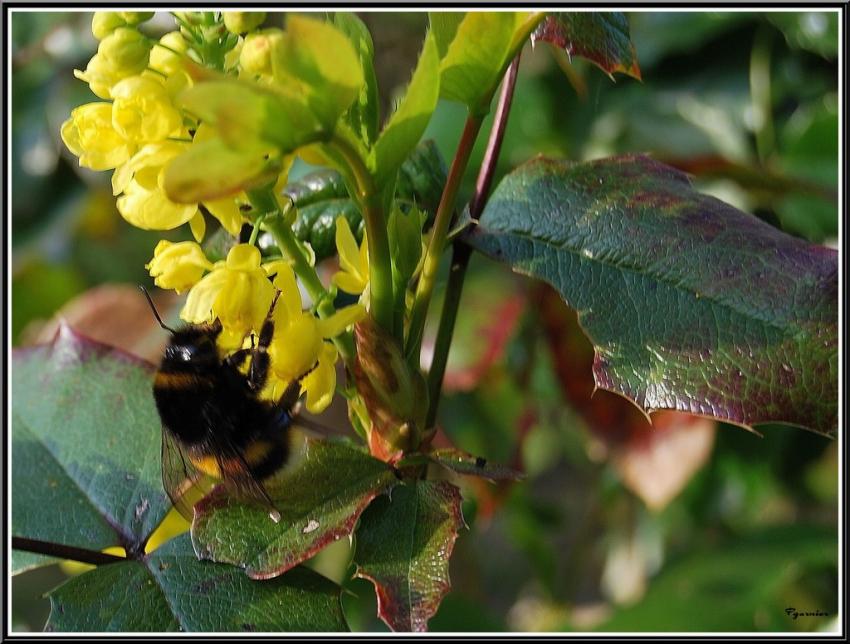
(192, 349)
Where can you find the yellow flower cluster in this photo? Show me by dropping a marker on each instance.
(138, 131)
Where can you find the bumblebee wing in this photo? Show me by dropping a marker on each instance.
(183, 482)
(242, 485)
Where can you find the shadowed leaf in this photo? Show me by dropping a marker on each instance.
(459, 461)
(85, 445)
(319, 498)
(172, 591)
(403, 547)
(690, 304)
(600, 37)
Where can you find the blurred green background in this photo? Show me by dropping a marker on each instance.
(745, 102)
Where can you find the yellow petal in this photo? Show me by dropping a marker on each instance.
(335, 324)
(199, 303)
(320, 384)
(349, 254)
(198, 226)
(152, 210)
(243, 257)
(226, 210)
(290, 295)
(348, 283)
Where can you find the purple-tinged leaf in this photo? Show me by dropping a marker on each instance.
(85, 446)
(690, 304)
(404, 543)
(600, 37)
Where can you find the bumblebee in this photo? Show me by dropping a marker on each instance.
(215, 428)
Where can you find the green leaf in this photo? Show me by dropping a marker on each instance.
(171, 590)
(23, 561)
(444, 26)
(212, 169)
(690, 304)
(483, 47)
(363, 114)
(404, 543)
(247, 114)
(318, 61)
(600, 37)
(321, 197)
(459, 461)
(85, 446)
(319, 498)
(405, 234)
(405, 127)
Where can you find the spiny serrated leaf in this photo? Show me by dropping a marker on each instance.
(171, 590)
(404, 543)
(600, 37)
(85, 445)
(459, 461)
(690, 304)
(319, 498)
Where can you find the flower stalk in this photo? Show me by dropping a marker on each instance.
(437, 242)
(461, 252)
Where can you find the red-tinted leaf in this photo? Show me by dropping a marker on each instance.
(654, 460)
(690, 304)
(319, 500)
(403, 547)
(600, 37)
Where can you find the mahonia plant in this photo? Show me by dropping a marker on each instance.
(201, 128)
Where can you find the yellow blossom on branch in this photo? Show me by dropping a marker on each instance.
(89, 134)
(237, 292)
(178, 266)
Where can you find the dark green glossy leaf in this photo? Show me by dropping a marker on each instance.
(85, 445)
(404, 543)
(321, 197)
(690, 304)
(172, 591)
(600, 37)
(23, 561)
(319, 498)
(467, 464)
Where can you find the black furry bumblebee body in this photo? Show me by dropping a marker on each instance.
(215, 428)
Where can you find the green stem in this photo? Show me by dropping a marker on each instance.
(264, 202)
(427, 279)
(380, 266)
(461, 251)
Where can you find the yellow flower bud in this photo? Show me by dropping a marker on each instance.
(89, 135)
(240, 22)
(136, 17)
(256, 55)
(104, 23)
(126, 51)
(142, 110)
(178, 266)
(163, 59)
(100, 76)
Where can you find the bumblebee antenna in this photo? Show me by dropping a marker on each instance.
(155, 312)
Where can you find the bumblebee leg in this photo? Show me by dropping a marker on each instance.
(236, 358)
(259, 371)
